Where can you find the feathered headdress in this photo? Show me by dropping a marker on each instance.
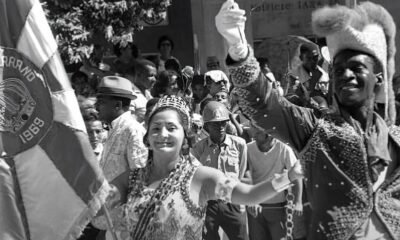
(367, 28)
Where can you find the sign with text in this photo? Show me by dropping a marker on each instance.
(276, 18)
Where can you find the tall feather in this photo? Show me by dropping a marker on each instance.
(379, 15)
(328, 20)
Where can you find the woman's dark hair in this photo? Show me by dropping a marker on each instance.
(149, 107)
(173, 64)
(165, 38)
(163, 82)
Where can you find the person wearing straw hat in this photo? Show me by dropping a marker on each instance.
(351, 155)
(124, 148)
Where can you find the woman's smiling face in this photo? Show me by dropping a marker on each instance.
(166, 133)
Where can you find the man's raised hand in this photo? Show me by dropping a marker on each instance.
(230, 22)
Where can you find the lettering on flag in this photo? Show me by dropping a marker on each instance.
(25, 102)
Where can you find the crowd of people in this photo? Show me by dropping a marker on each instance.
(191, 155)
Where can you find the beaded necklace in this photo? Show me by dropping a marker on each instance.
(168, 186)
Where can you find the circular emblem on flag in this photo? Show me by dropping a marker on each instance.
(26, 110)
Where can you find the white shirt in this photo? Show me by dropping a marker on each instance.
(264, 165)
(304, 76)
(138, 105)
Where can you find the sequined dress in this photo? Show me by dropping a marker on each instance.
(169, 211)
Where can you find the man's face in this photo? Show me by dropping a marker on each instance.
(95, 132)
(106, 106)
(148, 77)
(218, 86)
(354, 78)
(217, 130)
(221, 97)
(262, 138)
(198, 91)
(310, 60)
(165, 47)
(173, 87)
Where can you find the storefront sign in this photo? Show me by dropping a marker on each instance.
(276, 18)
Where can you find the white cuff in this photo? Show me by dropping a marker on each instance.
(281, 182)
(238, 51)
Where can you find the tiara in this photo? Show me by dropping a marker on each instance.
(178, 103)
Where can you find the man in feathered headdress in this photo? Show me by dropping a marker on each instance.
(351, 156)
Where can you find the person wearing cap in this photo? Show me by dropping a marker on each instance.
(228, 154)
(124, 148)
(351, 155)
(233, 127)
(216, 80)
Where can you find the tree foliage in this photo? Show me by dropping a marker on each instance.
(75, 23)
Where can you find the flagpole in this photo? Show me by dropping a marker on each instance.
(197, 67)
(18, 195)
(109, 222)
(351, 3)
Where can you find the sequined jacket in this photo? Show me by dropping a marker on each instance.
(333, 154)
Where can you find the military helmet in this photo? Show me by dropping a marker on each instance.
(215, 112)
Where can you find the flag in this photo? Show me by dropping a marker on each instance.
(57, 185)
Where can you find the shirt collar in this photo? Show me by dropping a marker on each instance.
(136, 91)
(98, 149)
(121, 118)
(226, 142)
